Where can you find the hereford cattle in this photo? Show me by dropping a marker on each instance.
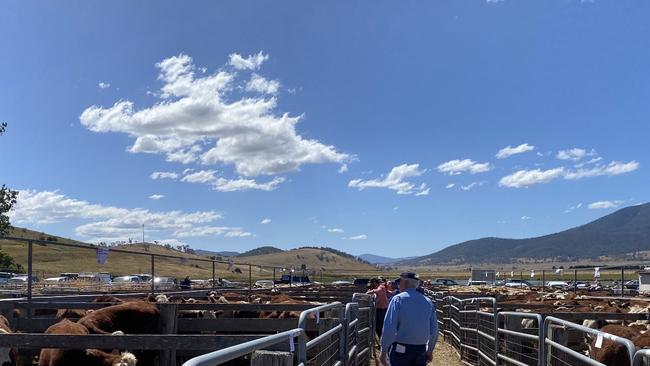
(612, 353)
(8, 356)
(70, 314)
(87, 357)
(135, 317)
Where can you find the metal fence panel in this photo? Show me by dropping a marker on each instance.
(518, 338)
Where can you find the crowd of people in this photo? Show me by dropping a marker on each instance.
(405, 321)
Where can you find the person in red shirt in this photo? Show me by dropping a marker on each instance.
(381, 303)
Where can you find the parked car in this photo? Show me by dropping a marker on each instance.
(55, 280)
(143, 276)
(518, 283)
(21, 280)
(361, 282)
(561, 285)
(5, 276)
(164, 283)
(265, 283)
(294, 280)
(341, 283)
(126, 279)
(476, 283)
(444, 282)
(632, 285)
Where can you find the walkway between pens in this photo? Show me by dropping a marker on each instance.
(444, 355)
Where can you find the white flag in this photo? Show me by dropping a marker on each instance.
(558, 271)
(596, 272)
(512, 273)
(532, 274)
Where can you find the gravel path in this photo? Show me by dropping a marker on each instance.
(444, 355)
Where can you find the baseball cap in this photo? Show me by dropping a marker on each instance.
(409, 275)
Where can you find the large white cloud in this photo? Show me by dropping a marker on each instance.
(109, 222)
(613, 168)
(455, 167)
(205, 118)
(508, 151)
(395, 180)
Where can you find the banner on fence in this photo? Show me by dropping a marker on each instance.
(102, 255)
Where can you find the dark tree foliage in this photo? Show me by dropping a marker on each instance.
(7, 198)
(7, 201)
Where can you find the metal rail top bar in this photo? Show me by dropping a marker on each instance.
(639, 357)
(302, 321)
(628, 343)
(230, 353)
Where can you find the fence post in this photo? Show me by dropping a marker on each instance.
(273, 276)
(168, 325)
(29, 272)
(575, 281)
(153, 277)
(302, 348)
(213, 278)
(521, 277)
(343, 356)
(622, 281)
(543, 282)
(250, 278)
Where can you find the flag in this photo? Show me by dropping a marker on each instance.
(558, 271)
(102, 255)
(596, 272)
(512, 273)
(532, 274)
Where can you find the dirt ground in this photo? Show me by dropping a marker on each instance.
(443, 355)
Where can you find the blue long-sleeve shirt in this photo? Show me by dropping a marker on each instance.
(410, 319)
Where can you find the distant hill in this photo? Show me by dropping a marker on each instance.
(620, 234)
(311, 257)
(261, 251)
(209, 253)
(378, 259)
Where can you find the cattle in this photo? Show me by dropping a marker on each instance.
(71, 313)
(612, 353)
(87, 357)
(135, 317)
(108, 299)
(8, 356)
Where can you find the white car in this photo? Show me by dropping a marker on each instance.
(557, 284)
(517, 284)
(264, 283)
(59, 279)
(340, 283)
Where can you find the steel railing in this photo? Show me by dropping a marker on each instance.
(341, 344)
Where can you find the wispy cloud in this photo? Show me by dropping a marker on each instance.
(358, 237)
(573, 207)
(455, 167)
(395, 180)
(115, 223)
(265, 221)
(525, 218)
(103, 85)
(527, 178)
(450, 185)
(164, 175)
(335, 230)
(575, 154)
(156, 197)
(252, 62)
(600, 205)
(472, 185)
(508, 151)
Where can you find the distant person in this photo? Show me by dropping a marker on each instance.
(186, 284)
(381, 303)
(410, 328)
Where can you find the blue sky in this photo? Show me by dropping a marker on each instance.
(342, 123)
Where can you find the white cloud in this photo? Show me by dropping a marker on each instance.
(526, 178)
(450, 185)
(613, 168)
(395, 180)
(260, 84)
(199, 118)
(472, 185)
(604, 204)
(343, 168)
(508, 151)
(231, 185)
(455, 167)
(164, 175)
(575, 154)
(358, 237)
(265, 221)
(526, 217)
(156, 197)
(113, 223)
(202, 176)
(103, 85)
(335, 230)
(252, 62)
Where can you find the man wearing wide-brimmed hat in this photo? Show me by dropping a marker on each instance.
(410, 328)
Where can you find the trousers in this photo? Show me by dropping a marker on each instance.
(413, 355)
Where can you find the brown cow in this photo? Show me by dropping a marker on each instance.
(613, 353)
(88, 357)
(8, 356)
(135, 317)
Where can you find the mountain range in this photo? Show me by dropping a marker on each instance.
(378, 259)
(620, 234)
